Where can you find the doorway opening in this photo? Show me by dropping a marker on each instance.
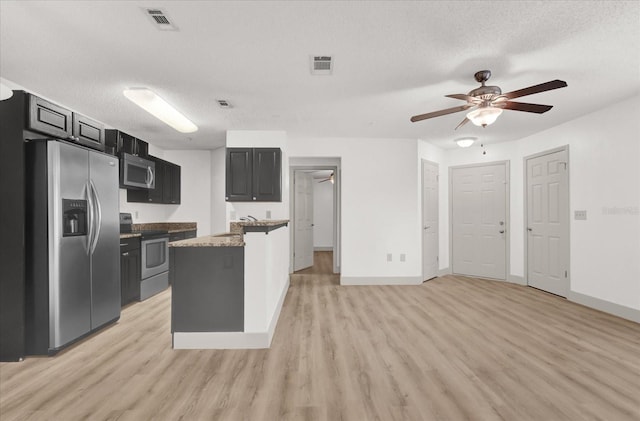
(430, 220)
(315, 215)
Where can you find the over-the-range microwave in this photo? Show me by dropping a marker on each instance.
(136, 172)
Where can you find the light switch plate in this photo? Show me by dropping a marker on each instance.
(389, 257)
(403, 257)
(268, 214)
(580, 215)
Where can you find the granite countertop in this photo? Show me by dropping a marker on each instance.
(129, 235)
(261, 225)
(217, 240)
(171, 227)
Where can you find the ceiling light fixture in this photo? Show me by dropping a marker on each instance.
(159, 108)
(484, 116)
(465, 142)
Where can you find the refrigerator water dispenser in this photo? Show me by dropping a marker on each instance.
(74, 217)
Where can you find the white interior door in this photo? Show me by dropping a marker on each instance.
(548, 223)
(303, 219)
(429, 220)
(479, 220)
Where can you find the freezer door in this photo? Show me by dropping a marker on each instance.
(105, 247)
(69, 271)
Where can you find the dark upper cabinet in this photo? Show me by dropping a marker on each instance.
(51, 119)
(88, 132)
(253, 174)
(239, 170)
(171, 183)
(119, 142)
(266, 174)
(48, 118)
(167, 185)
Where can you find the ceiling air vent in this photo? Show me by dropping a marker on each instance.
(160, 20)
(223, 103)
(321, 65)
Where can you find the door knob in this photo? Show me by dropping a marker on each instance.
(529, 229)
(427, 227)
(501, 231)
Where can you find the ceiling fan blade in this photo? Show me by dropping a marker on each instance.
(547, 86)
(441, 112)
(462, 123)
(465, 98)
(523, 106)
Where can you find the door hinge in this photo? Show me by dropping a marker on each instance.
(437, 258)
(565, 273)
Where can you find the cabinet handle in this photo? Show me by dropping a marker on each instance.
(125, 253)
(254, 198)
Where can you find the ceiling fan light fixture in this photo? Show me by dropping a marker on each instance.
(160, 109)
(484, 116)
(465, 142)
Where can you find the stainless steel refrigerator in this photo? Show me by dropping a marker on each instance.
(72, 243)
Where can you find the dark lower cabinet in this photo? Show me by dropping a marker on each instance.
(177, 236)
(208, 289)
(167, 185)
(130, 270)
(253, 175)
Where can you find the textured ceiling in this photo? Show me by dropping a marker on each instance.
(392, 60)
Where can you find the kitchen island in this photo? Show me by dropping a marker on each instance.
(228, 288)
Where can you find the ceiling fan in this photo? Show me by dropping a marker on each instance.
(489, 101)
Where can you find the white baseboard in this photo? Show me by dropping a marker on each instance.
(232, 340)
(371, 280)
(276, 312)
(444, 271)
(515, 279)
(605, 306)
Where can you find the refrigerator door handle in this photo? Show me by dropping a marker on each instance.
(91, 218)
(97, 213)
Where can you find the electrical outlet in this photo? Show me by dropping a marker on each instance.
(389, 257)
(268, 214)
(580, 215)
(403, 257)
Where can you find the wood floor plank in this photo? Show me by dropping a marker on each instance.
(453, 348)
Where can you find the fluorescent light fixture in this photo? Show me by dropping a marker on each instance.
(465, 142)
(160, 109)
(484, 116)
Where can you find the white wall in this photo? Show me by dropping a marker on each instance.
(604, 179)
(322, 214)
(218, 204)
(379, 182)
(195, 193)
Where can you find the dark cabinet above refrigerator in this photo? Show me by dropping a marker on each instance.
(53, 120)
(118, 142)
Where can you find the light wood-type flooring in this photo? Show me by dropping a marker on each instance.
(453, 348)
